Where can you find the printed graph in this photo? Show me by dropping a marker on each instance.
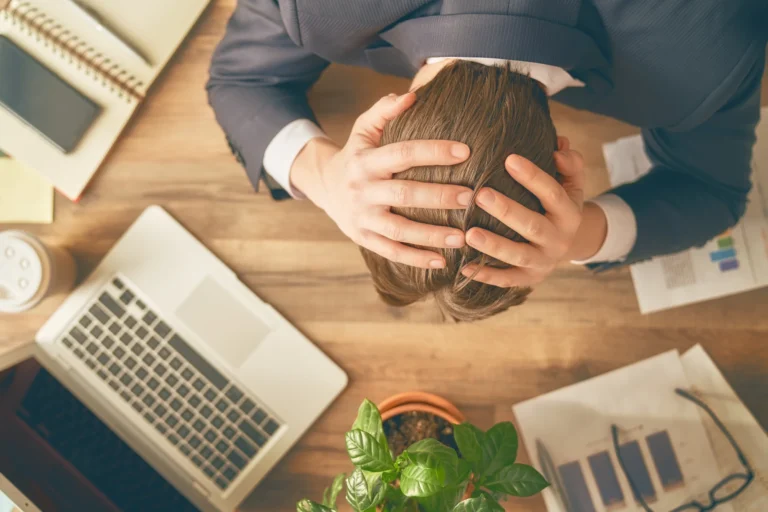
(638, 470)
(576, 489)
(607, 481)
(603, 472)
(725, 255)
(665, 460)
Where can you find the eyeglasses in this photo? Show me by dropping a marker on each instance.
(722, 492)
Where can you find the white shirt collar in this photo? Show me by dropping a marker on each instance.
(553, 78)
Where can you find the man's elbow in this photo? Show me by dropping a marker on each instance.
(212, 89)
(732, 209)
(737, 203)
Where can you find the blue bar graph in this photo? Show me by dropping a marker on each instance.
(607, 481)
(665, 459)
(637, 470)
(576, 488)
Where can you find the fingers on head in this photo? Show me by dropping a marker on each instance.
(402, 193)
(372, 121)
(399, 229)
(404, 155)
(399, 253)
(517, 254)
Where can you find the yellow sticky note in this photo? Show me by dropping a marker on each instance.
(25, 196)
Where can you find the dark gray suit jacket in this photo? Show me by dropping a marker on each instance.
(687, 72)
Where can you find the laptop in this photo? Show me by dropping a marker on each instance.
(12, 500)
(204, 380)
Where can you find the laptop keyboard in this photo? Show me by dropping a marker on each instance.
(197, 409)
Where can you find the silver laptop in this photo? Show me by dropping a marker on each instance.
(12, 499)
(209, 384)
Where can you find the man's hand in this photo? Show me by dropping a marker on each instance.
(353, 185)
(551, 235)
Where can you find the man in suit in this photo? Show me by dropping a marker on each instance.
(687, 73)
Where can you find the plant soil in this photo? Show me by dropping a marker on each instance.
(408, 428)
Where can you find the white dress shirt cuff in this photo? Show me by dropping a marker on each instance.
(622, 230)
(285, 147)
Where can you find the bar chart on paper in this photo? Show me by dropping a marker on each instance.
(650, 462)
(661, 446)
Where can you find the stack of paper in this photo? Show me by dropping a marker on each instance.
(671, 449)
(733, 262)
(25, 197)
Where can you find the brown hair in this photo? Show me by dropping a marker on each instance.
(496, 112)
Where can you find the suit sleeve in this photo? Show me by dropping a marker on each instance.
(700, 179)
(259, 79)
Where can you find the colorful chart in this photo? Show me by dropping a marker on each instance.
(725, 254)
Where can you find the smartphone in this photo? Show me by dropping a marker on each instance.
(42, 100)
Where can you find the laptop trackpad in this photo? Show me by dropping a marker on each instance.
(223, 322)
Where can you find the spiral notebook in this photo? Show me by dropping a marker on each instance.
(56, 33)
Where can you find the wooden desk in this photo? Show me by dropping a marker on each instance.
(574, 326)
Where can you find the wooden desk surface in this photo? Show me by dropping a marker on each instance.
(574, 326)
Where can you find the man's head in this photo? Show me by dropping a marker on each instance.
(496, 112)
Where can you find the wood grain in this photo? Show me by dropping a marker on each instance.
(575, 326)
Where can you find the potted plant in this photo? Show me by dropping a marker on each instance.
(429, 475)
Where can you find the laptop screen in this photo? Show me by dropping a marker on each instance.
(11, 499)
(7, 505)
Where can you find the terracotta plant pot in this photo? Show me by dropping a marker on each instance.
(422, 402)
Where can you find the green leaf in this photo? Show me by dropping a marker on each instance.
(331, 494)
(431, 467)
(394, 500)
(366, 453)
(470, 439)
(517, 480)
(431, 446)
(499, 447)
(431, 453)
(496, 496)
(420, 481)
(480, 504)
(390, 476)
(369, 420)
(311, 506)
(365, 493)
(445, 499)
(463, 471)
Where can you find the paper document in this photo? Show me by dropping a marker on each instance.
(25, 197)
(713, 389)
(733, 262)
(662, 441)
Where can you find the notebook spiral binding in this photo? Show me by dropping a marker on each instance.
(52, 34)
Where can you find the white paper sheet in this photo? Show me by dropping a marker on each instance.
(713, 389)
(734, 262)
(573, 425)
